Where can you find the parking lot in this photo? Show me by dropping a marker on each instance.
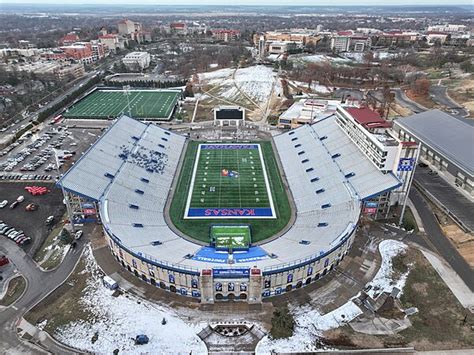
(32, 223)
(32, 157)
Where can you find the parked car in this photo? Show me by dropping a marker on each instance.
(49, 220)
(423, 165)
(14, 204)
(78, 235)
(3, 203)
(31, 207)
(20, 199)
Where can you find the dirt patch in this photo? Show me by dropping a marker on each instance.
(421, 288)
(422, 100)
(464, 242)
(441, 323)
(462, 91)
(16, 287)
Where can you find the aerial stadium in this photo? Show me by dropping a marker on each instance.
(229, 220)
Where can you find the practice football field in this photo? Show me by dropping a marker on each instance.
(104, 104)
(229, 181)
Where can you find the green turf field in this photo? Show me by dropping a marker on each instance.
(104, 104)
(229, 178)
(199, 229)
(231, 237)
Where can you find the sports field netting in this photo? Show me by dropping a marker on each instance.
(231, 237)
(105, 104)
(229, 181)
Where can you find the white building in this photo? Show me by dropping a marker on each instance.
(340, 43)
(447, 28)
(137, 60)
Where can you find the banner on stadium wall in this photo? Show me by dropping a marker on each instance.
(370, 210)
(89, 211)
(234, 273)
(406, 164)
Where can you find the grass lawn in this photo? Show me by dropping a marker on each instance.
(261, 228)
(50, 255)
(16, 286)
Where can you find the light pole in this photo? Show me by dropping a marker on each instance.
(66, 198)
(408, 187)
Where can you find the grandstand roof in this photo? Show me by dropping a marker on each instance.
(131, 176)
(450, 137)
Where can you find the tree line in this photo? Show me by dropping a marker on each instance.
(147, 83)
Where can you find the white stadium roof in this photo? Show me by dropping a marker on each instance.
(131, 168)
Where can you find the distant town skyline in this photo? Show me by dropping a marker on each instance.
(247, 2)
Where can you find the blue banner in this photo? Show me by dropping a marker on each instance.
(231, 212)
(228, 146)
(232, 273)
(406, 164)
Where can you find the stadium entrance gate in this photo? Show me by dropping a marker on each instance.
(234, 284)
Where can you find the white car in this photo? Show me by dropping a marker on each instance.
(3, 203)
(78, 235)
(20, 198)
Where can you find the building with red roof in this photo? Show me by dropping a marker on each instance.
(69, 39)
(368, 118)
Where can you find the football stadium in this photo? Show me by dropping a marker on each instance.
(112, 103)
(225, 220)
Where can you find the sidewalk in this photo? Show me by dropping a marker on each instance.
(457, 286)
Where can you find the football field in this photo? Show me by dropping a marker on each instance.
(145, 104)
(229, 181)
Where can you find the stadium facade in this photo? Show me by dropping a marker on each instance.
(126, 178)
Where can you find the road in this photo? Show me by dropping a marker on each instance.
(40, 284)
(448, 196)
(438, 241)
(404, 101)
(439, 94)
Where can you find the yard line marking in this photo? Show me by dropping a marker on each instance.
(220, 180)
(238, 178)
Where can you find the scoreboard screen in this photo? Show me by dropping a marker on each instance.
(229, 114)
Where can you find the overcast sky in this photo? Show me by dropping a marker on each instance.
(247, 2)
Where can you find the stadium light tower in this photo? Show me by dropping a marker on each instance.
(66, 197)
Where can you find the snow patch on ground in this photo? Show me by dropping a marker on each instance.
(319, 58)
(257, 82)
(310, 324)
(384, 279)
(217, 76)
(117, 320)
(322, 89)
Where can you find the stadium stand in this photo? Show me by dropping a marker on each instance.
(130, 170)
